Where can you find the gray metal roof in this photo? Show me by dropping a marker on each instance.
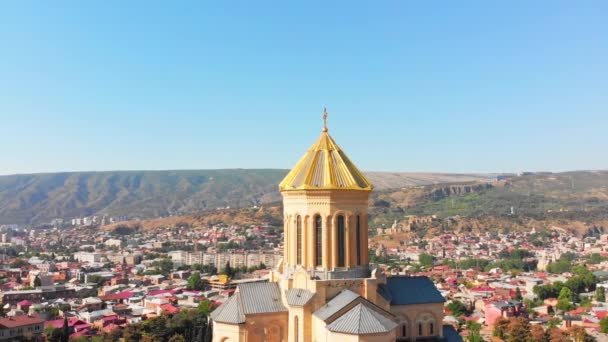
(298, 297)
(361, 320)
(229, 312)
(261, 298)
(400, 290)
(336, 304)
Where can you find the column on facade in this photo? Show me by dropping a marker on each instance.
(286, 224)
(310, 241)
(293, 240)
(327, 241)
(348, 233)
(334, 241)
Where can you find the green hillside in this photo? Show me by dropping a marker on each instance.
(570, 195)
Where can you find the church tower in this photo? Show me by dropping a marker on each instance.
(322, 290)
(325, 200)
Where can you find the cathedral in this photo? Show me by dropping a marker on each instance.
(323, 288)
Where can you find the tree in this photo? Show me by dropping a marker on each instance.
(228, 270)
(518, 295)
(473, 328)
(558, 335)
(457, 308)
(37, 282)
(164, 266)
(578, 334)
(209, 333)
(564, 299)
(195, 282)
(604, 325)
(519, 330)
(425, 260)
(52, 334)
(132, 333)
(600, 294)
(537, 334)
(65, 331)
(501, 328)
(205, 307)
(177, 338)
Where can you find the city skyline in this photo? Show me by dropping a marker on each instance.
(473, 88)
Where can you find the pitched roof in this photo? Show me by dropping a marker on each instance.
(298, 297)
(400, 290)
(336, 304)
(325, 167)
(261, 298)
(20, 321)
(361, 320)
(253, 298)
(229, 312)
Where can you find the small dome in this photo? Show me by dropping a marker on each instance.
(325, 167)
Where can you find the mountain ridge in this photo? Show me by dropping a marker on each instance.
(40, 197)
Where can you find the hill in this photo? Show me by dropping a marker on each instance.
(576, 201)
(39, 198)
(568, 196)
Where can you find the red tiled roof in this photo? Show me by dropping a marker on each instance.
(601, 314)
(118, 296)
(58, 323)
(19, 321)
(168, 308)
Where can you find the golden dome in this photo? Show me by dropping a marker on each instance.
(325, 167)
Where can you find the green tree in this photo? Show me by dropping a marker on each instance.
(228, 270)
(52, 334)
(425, 260)
(163, 266)
(474, 329)
(600, 294)
(564, 299)
(518, 295)
(132, 333)
(37, 281)
(604, 325)
(65, 331)
(205, 307)
(457, 308)
(195, 282)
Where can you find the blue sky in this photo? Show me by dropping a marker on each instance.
(409, 86)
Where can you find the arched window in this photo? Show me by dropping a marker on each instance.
(295, 329)
(299, 239)
(318, 241)
(419, 329)
(358, 233)
(341, 241)
(431, 329)
(403, 330)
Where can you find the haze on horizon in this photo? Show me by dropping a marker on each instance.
(410, 87)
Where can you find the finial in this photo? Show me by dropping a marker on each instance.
(324, 119)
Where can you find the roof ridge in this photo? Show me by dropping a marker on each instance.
(360, 313)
